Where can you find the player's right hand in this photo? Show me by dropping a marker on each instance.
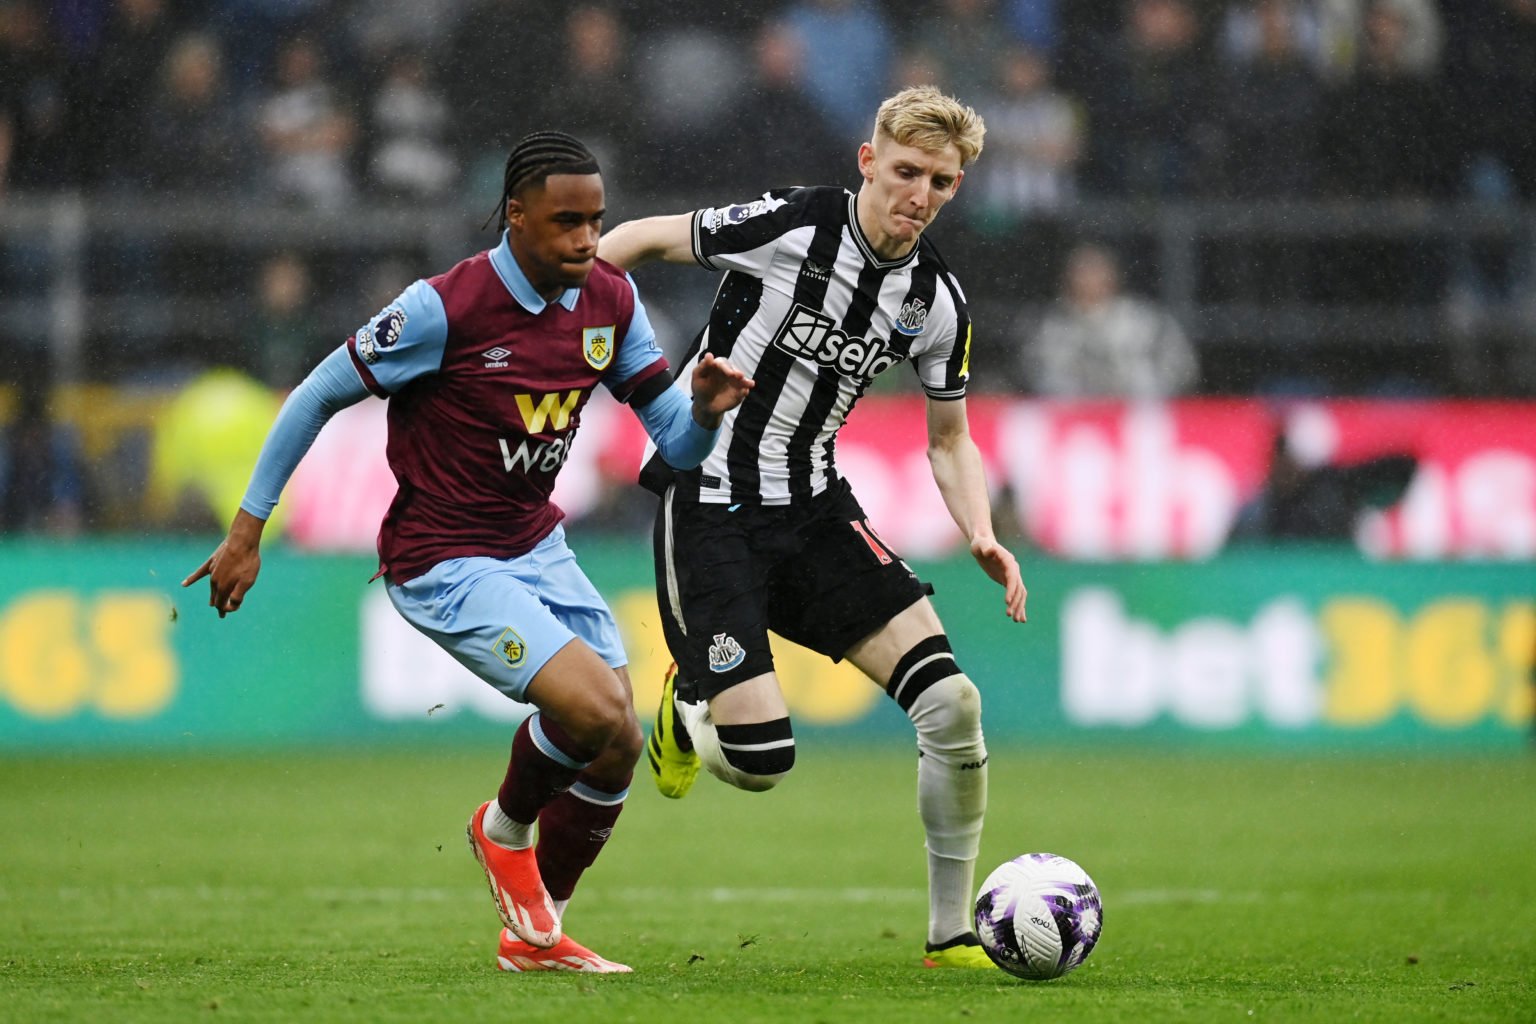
(233, 566)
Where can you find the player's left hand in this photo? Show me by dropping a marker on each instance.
(718, 387)
(998, 562)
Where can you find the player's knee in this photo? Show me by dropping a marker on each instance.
(756, 756)
(604, 718)
(948, 719)
(944, 705)
(627, 742)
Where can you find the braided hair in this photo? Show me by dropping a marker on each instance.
(536, 157)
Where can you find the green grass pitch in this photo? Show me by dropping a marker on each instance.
(337, 887)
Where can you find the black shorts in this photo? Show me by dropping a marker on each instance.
(814, 573)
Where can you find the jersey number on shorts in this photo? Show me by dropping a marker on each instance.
(863, 529)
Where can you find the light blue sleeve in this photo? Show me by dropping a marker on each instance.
(669, 420)
(329, 388)
(639, 349)
(403, 341)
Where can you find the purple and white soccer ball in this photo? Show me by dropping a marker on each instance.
(1038, 916)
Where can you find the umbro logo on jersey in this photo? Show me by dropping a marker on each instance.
(495, 358)
(912, 317)
(725, 653)
(812, 335)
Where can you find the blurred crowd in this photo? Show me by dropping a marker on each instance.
(330, 102)
(345, 105)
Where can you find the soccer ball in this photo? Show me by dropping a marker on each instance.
(1038, 916)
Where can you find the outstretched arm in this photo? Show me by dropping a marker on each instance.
(634, 242)
(957, 470)
(232, 568)
(685, 431)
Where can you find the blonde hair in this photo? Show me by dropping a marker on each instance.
(925, 118)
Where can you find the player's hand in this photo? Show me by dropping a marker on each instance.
(232, 568)
(718, 387)
(998, 562)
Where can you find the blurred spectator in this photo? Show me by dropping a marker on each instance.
(374, 30)
(1329, 35)
(117, 85)
(78, 24)
(34, 102)
(1035, 23)
(306, 131)
(1099, 343)
(42, 471)
(384, 279)
(602, 102)
(1268, 110)
(257, 28)
(282, 334)
(1150, 115)
(195, 141)
(1384, 136)
(1034, 140)
(914, 65)
(1086, 33)
(968, 43)
(1491, 79)
(1270, 100)
(692, 80)
(847, 46)
(1248, 28)
(410, 123)
(1384, 129)
(1344, 35)
(497, 94)
(774, 105)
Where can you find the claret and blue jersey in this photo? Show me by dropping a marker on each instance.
(487, 382)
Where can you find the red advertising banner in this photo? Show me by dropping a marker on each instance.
(1101, 481)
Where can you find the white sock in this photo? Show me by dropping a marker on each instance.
(503, 831)
(560, 906)
(951, 901)
(951, 799)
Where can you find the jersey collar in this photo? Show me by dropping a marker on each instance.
(517, 282)
(870, 256)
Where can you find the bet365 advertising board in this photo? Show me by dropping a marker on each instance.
(101, 649)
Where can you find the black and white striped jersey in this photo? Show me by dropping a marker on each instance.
(809, 310)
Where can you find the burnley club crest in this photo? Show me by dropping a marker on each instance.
(597, 346)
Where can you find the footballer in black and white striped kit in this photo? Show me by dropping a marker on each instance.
(814, 314)
(822, 291)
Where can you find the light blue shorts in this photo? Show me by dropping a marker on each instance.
(503, 618)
